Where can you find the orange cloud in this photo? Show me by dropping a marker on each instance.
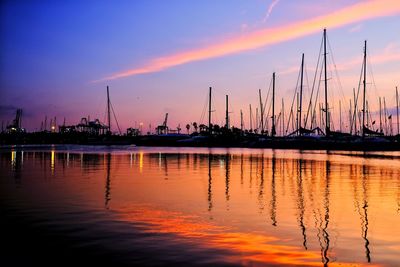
(358, 12)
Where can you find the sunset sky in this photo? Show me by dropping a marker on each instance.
(57, 57)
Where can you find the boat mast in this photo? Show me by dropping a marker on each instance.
(273, 131)
(209, 111)
(397, 111)
(326, 90)
(108, 111)
(256, 120)
(301, 96)
(283, 117)
(380, 115)
(365, 86)
(355, 110)
(385, 116)
(261, 112)
(226, 114)
(340, 116)
(350, 117)
(241, 121)
(251, 119)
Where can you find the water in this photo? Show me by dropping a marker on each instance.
(199, 206)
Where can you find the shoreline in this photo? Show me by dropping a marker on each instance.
(349, 143)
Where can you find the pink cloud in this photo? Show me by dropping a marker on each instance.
(364, 10)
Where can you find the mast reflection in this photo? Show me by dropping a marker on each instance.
(365, 209)
(273, 191)
(325, 234)
(241, 169)
(227, 177)
(107, 195)
(251, 173)
(210, 204)
(165, 167)
(300, 202)
(261, 186)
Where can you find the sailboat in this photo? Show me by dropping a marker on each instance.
(365, 130)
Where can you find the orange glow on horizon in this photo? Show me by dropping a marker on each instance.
(358, 12)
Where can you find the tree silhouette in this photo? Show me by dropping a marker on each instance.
(195, 126)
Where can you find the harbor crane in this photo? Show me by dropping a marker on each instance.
(163, 129)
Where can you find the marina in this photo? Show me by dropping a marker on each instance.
(200, 133)
(300, 130)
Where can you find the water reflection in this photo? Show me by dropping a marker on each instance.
(227, 174)
(17, 160)
(300, 214)
(260, 170)
(273, 191)
(52, 161)
(209, 199)
(365, 215)
(300, 202)
(325, 235)
(107, 195)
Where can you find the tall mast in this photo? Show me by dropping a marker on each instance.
(355, 111)
(209, 111)
(367, 114)
(397, 111)
(297, 113)
(256, 119)
(108, 111)
(226, 114)
(273, 131)
(283, 118)
(340, 116)
(301, 95)
(251, 119)
(261, 112)
(385, 115)
(241, 121)
(350, 117)
(365, 87)
(380, 115)
(326, 90)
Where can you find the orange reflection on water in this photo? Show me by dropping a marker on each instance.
(52, 161)
(247, 248)
(141, 161)
(261, 207)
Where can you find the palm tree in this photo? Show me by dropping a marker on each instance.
(188, 127)
(195, 126)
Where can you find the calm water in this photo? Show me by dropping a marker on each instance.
(184, 206)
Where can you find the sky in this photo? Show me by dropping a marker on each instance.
(157, 57)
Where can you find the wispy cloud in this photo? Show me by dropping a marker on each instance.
(270, 8)
(355, 13)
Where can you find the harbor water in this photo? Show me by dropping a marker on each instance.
(138, 206)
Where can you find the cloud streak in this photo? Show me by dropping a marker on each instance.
(270, 8)
(364, 10)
